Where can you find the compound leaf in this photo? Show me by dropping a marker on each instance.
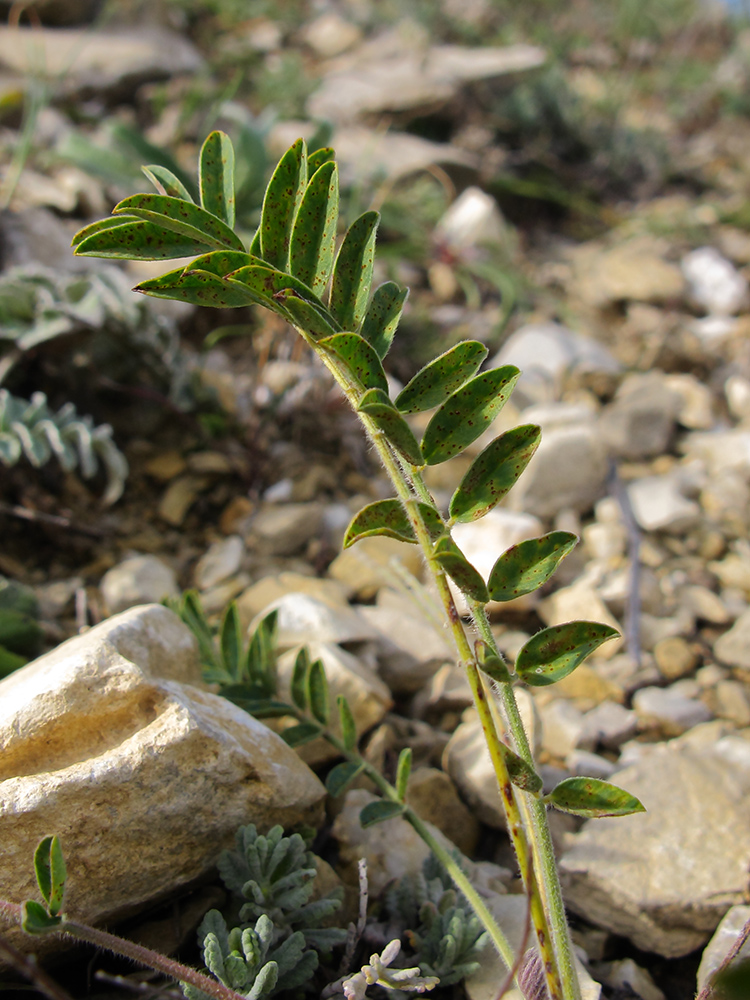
(360, 358)
(314, 234)
(555, 652)
(182, 217)
(280, 204)
(524, 567)
(341, 775)
(440, 378)
(216, 177)
(388, 517)
(378, 812)
(591, 797)
(494, 472)
(460, 570)
(352, 272)
(377, 405)
(383, 315)
(467, 413)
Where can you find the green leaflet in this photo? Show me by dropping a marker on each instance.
(280, 204)
(378, 812)
(377, 405)
(348, 725)
(555, 652)
(129, 240)
(733, 982)
(388, 517)
(167, 182)
(298, 686)
(297, 736)
(274, 288)
(341, 775)
(352, 272)
(403, 770)
(526, 566)
(383, 315)
(316, 160)
(308, 317)
(491, 664)
(591, 797)
(360, 359)
(436, 381)
(201, 288)
(183, 217)
(317, 692)
(230, 640)
(520, 773)
(51, 873)
(494, 472)
(460, 570)
(36, 920)
(467, 413)
(223, 262)
(216, 177)
(314, 234)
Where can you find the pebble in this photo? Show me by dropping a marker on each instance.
(580, 602)
(137, 580)
(473, 220)
(590, 765)
(283, 529)
(303, 618)
(733, 647)
(714, 283)
(675, 657)
(369, 565)
(562, 725)
(433, 796)
(658, 505)
(180, 496)
(731, 701)
(609, 725)
(632, 271)
(222, 559)
(625, 975)
(670, 712)
(641, 420)
(259, 595)
(410, 649)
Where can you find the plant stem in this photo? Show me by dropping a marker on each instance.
(135, 952)
(537, 827)
(407, 486)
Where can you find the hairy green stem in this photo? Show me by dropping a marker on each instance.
(135, 952)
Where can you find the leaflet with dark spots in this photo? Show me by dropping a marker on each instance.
(524, 567)
(352, 272)
(360, 359)
(388, 517)
(280, 205)
(183, 217)
(383, 315)
(313, 236)
(494, 472)
(376, 404)
(434, 383)
(555, 652)
(216, 177)
(459, 569)
(135, 240)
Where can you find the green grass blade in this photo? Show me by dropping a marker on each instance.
(313, 237)
(181, 217)
(352, 272)
(432, 385)
(280, 204)
(359, 358)
(494, 472)
(216, 177)
(467, 414)
(555, 652)
(524, 567)
(376, 404)
(383, 315)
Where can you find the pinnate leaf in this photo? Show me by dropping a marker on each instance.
(280, 204)
(314, 234)
(216, 177)
(377, 405)
(341, 775)
(182, 217)
(352, 272)
(432, 385)
(591, 797)
(555, 652)
(378, 812)
(524, 567)
(383, 315)
(494, 472)
(459, 569)
(348, 725)
(388, 517)
(360, 359)
(467, 413)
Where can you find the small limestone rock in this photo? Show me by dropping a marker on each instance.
(138, 580)
(695, 401)
(640, 421)
(221, 560)
(731, 701)
(633, 271)
(256, 598)
(367, 566)
(627, 976)
(590, 765)
(410, 650)
(580, 602)
(562, 725)
(658, 505)
(302, 618)
(284, 529)
(109, 741)
(473, 220)
(675, 657)
(670, 712)
(619, 872)
(432, 795)
(179, 497)
(608, 725)
(733, 648)
(715, 284)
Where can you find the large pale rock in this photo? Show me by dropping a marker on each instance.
(109, 742)
(302, 618)
(664, 878)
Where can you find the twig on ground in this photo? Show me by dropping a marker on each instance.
(633, 608)
(27, 966)
(56, 520)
